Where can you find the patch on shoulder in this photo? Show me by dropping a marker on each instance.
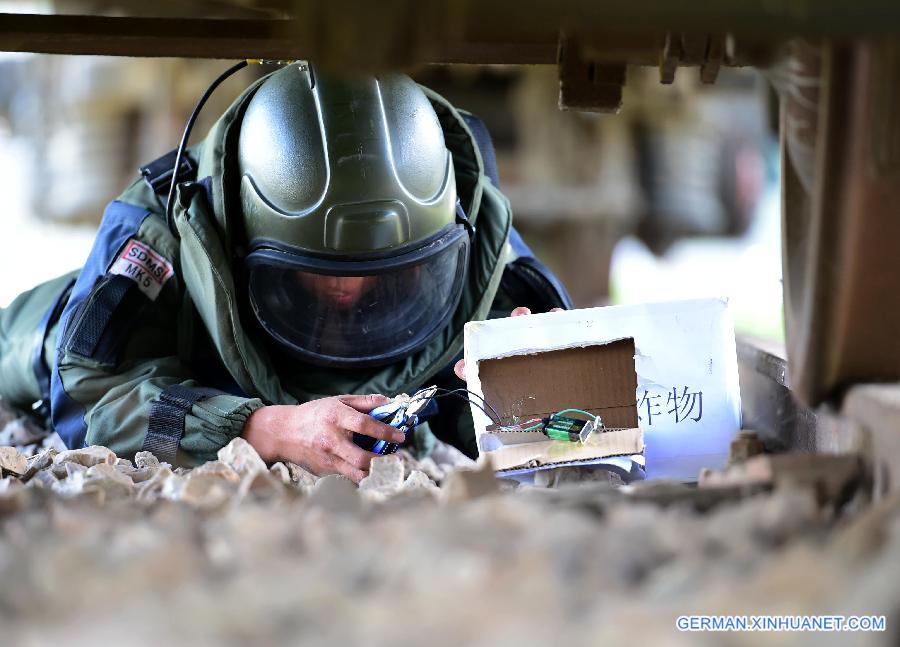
(143, 265)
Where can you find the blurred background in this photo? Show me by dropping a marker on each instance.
(675, 197)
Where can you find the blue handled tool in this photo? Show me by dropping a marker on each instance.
(401, 413)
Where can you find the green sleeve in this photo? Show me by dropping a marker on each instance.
(118, 406)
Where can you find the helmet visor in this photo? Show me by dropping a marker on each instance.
(358, 312)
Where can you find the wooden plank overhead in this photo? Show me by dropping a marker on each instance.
(410, 32)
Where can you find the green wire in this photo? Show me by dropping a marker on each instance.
(584, 413)
(540, 425)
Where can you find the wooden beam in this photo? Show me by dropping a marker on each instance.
(437, 31)
(128, 36)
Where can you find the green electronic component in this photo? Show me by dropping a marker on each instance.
(572, 430)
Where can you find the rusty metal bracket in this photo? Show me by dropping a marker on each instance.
(715, 55)
(669, 58)
(689, 49)
(588, 85)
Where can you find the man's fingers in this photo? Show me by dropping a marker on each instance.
(353, 473)
(522, 310)
(460, 369)
(355, 456)
(364, 403)
(367, 425)
(331, 463)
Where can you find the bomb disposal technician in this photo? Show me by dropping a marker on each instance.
(328, 237)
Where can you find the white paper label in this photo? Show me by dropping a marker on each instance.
(144, 266)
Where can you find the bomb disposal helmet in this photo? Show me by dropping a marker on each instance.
(355, 253)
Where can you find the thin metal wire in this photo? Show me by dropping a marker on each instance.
(484, 403)
(496, 418)
(464, 394)
(170, 220)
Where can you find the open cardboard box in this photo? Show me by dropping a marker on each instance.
(599, 379)
(669, 369)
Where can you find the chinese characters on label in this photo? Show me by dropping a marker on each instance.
(680, 405)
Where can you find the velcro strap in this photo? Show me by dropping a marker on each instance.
(41, 371)
(104, 301)
(158, 173)
(167, 414)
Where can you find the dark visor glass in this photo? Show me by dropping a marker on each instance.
(365, 312)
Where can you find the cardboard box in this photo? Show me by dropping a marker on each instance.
(600, 378)
(668, 369)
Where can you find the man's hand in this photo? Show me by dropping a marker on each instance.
(460, 367)
(318, 435)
